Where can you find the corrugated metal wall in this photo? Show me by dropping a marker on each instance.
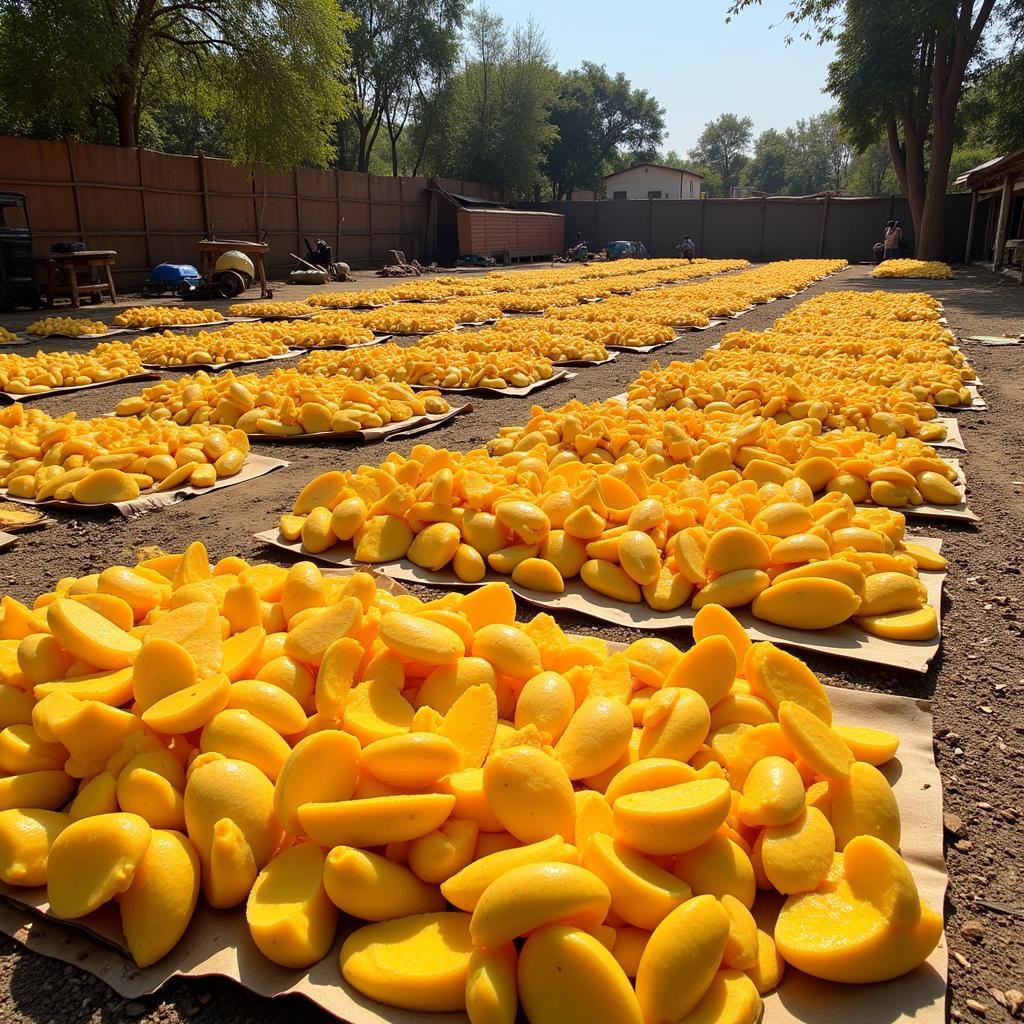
(154, 207)
(756, 229)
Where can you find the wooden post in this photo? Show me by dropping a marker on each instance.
(1005, 202)
(74, 187)
(824, 225)
(970, 226)
(255, 205)
(207, 227)
(369, 212)
(703, 212)
(764, 224)
(145, 212)
(298, 211)
(337, 210)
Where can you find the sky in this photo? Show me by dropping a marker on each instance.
(685, 54)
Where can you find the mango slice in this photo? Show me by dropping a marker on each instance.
(414, 761)
(808, 603)
(681, 959)
(491, 986)
(530, 794)
(731, 998)
(719, 867)
(375, 821)
(864, 804)
(89, 636)
(566, 976)
(821, 747)
(674, 819)
(93, 860)
(25, 840)
(290, 918)
(373, 888)
(417, 963)
(775, 675)
(796, 855)
(915, 624)
(597, 735)
(157, 908)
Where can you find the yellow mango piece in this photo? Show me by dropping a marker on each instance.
(674, 819)
(888, 592)
(491, 987)
(22, 749)
(629, 947)
(593, 817)
(230, 869)
(97, 796)
(380, 539)
(290, 918)
(414, 760)
(647, 774)
(532, 895)
(642, 894)
(89, 636)
(418, 639)
(864, 804)
(147, 793)
(609, 580)
(156, 909)
(321, 768)
(196, 627)
(775, 675)
(681, 959)
(470, 724)
(875, 746)
(538, 574)
(767, 971)
(732, 589)
(240, 735)
(675, 724)
(191, 708)
(796, 856)
(736, 547)
(668, 592)
(105, 485)
(162, 667)
(47, 790)
(434, 547)
(113, 688)
(547, 702)
(708, 668)
(597, 735)
(566, 976)
(269, 703)
(239, 793)
(111, 607)
(438, 855)
(773, 793)
(815, 741)
(639, 556)
(309, 640)
(868, 925)
(242, 651)
(914, 624)
(741, 946)
(809, 603)
(25, 840)
(375, 709)
(375, 821)
(93, 860)
(417, 963)
(373, 888)
(715, 620)
(42, 659)
(448, 682)
(16, 705)
(530, 793)
(731, 998)
(465, 888)
(924, 558)
(718, 868)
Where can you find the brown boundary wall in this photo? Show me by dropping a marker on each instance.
(154, 207)
(756, 229)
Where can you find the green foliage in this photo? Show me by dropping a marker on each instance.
(767, 169)
(262, 79)
(871, 172)
(602, 122)
(723, 146)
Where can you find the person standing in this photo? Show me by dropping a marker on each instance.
(891, 241)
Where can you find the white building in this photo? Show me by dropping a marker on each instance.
(653, 181)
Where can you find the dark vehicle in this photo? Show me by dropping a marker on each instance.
(626, 250)
(19, 285)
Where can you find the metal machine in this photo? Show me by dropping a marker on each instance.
(19, 283)
(179, 279)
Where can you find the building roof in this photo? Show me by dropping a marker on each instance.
(992, 170)
(660, 167)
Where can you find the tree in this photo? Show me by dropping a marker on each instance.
(766, 171)
(900, 70)
(399, 49)
(723, 146)
(599, 117)
(271, 70)
(871, 172)
(819, 156)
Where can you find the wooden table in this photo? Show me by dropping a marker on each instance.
(210, 252)
(62, 271)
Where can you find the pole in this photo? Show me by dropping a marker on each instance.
(145, 213)
(1005, 202)
(824, 225)
(74, 186)
(970, 226)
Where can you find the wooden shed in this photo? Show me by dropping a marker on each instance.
(995, 237)
(466, 226)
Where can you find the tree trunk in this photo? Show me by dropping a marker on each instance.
(930, 242)
(124, 112)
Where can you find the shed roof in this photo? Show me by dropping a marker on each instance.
(660, 167)
(992, 170)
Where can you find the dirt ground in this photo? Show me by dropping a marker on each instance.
(975, 683)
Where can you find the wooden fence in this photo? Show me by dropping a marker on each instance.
(154, 207)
